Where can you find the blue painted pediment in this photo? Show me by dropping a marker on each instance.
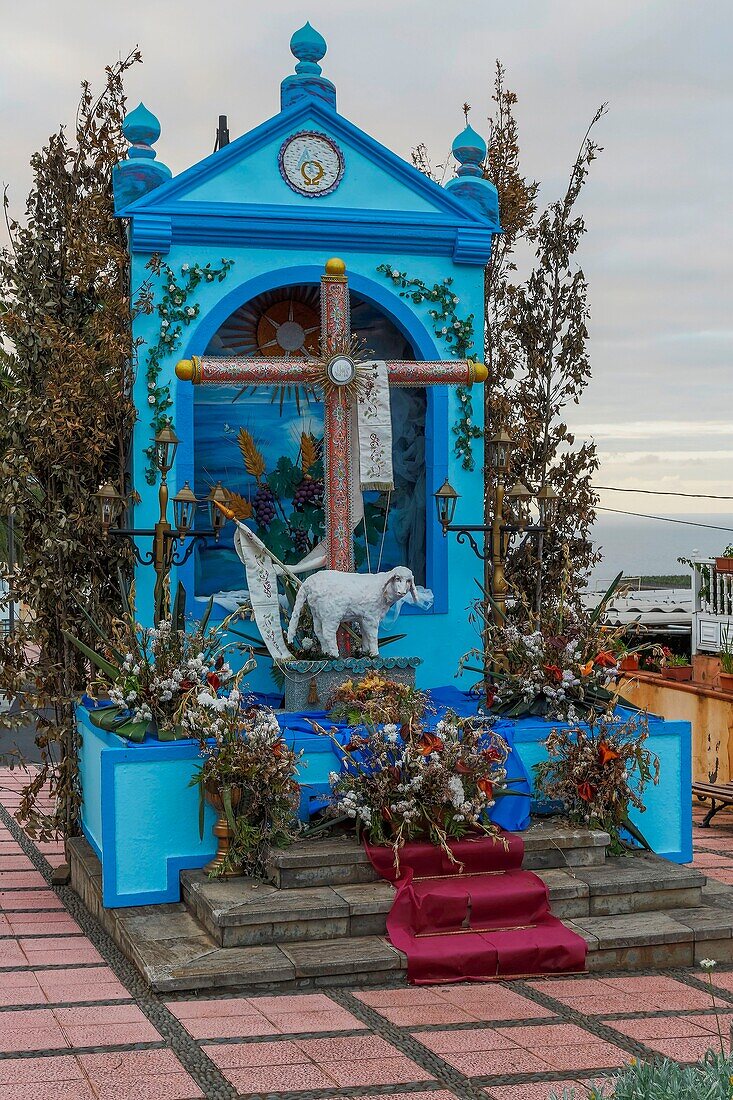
(238, 195)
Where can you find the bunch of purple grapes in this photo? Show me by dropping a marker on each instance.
(301, 541)
(310, 491)
(263, 506)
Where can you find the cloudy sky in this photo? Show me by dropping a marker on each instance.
(659, 204)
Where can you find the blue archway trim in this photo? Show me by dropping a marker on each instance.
(424, 346)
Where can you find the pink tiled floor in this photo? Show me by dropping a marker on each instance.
(306, 1041)
(245, 1017)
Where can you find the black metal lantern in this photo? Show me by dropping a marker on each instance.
(548, 501)
(109, 505)
(184, 509)
(166, 444)
(500, 452)
(445, 503)
(217, 496)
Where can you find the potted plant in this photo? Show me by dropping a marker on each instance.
(655, 659)
(724, 564)
(629, 662)
(726, 663)
(677, 667)
(248, 776)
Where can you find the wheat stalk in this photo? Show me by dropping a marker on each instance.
(308, 452)
(254, 462)
(242, 508)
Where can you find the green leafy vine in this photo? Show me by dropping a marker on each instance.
(175, 313)
(455, 331)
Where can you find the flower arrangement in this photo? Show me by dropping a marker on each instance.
(152, 674)
(599, 771)
(561, 666)
(555, 675)
(427, 785)
(376, 700)
(248, 774)
(402, 781)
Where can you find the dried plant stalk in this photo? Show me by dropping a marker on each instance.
(239, 505)
(254, 462)
(308, 452)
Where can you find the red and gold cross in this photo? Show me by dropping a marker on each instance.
(337, 385)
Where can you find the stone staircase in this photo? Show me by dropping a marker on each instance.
(320, 919)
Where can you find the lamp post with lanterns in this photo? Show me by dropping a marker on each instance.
(164, 553)
(511, 518)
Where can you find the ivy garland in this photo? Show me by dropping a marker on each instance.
(174, 313)
(457, 332)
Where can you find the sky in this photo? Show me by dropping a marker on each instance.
(659, 204)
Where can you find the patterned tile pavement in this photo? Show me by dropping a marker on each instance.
(77, 1023)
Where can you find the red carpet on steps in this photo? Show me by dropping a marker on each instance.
(480, 920)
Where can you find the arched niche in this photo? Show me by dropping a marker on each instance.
(236, 430)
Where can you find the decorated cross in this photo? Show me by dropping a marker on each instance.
(341, 378)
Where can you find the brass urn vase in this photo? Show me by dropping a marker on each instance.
(222, 831)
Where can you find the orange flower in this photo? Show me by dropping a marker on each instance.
(586, 791)
(486, 786)
(429, 743)
(277, 749)
(213, 680)
(553, 673)
(586, 669)
(605, 659)
(606, 754)
(462, 767)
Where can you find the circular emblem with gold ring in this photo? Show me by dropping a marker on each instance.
(311, 163)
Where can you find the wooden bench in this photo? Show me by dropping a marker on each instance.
(720, 793)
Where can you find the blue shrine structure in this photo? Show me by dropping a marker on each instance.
(249, 204)
(233, 250)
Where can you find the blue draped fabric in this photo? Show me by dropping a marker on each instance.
(511, 812)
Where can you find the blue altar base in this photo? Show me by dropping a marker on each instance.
(141, 816)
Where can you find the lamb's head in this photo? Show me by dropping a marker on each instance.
(399, 582)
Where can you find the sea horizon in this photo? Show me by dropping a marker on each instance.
(647, 547)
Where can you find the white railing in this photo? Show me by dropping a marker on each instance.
(712, 591)
(712, 602)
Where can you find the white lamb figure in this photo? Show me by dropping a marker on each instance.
(334, 597)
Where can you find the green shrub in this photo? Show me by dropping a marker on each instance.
(710, 1079)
